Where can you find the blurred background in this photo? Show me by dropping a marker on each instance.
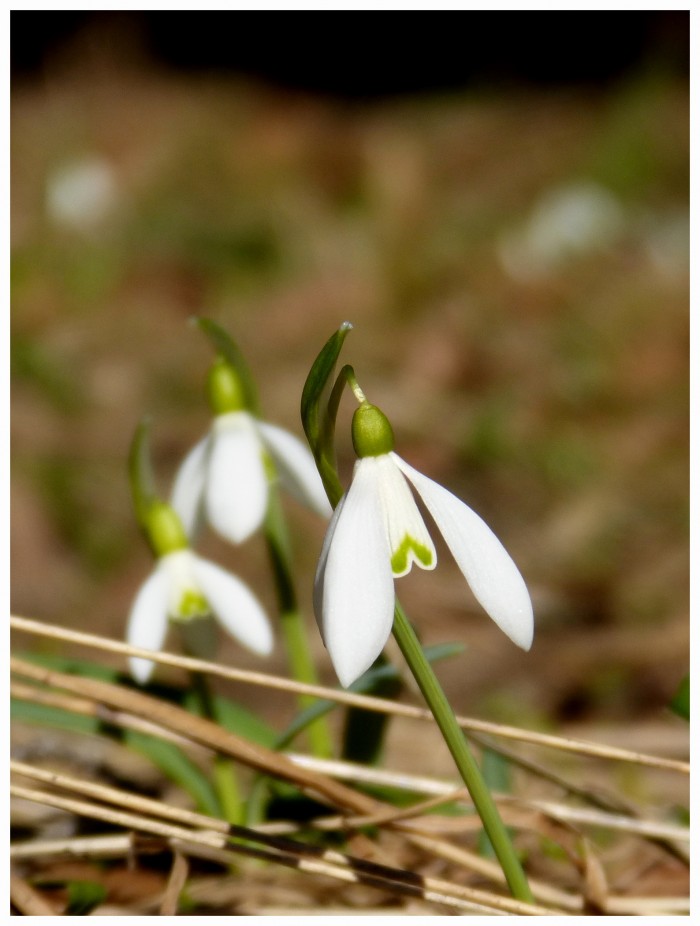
(504, 219)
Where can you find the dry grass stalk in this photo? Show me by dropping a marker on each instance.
(28, 901)
(195, 835)
(331, 863)
(594, 750)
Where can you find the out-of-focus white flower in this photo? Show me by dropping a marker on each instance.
(225, 478)
(82, 193)
(377, 533)
(184, 588)
(566, 222)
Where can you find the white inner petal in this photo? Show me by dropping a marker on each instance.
(185, 596)
(408, 537)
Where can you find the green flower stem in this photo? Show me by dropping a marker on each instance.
(291, 620)
(469, 770)
(225, 777)
(226, 782)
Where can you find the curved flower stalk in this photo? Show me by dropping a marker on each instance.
(377, 533)
(225, 479)
(189, 590)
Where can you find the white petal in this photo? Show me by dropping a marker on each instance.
(491, 573)
(321, 567)
(297, 469)
(188, 488)
(148, 622)
(234, 606)
(408, 537)
(358, 588)
(236, 487)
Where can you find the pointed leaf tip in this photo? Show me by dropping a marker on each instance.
(317, 383)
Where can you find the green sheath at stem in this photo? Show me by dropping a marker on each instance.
(469, 770)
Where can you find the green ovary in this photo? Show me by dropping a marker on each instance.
(192, 604)
(399, 559)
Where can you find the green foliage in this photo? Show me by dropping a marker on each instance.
(83, 897)
(141, 478)
(680, 703)
(175, 765)
(234, 717)
(319, 406)
(32, 362)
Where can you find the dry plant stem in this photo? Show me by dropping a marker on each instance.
(334, 864)
(446, 791)
(380, 705)
(176, 882)
(201, 731)
(94, 847)
(123, 845)
(464, 760)
(28, 901)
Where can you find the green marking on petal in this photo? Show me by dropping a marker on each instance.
(399, 559)
(192, 604)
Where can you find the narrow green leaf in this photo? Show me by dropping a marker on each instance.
(319, 407)
(72, 665)
(167, 757)
(176, 766)
(171, 761)
(46, 716)
(141, 476)
(224, 345)
(318, 383)
(681, 700)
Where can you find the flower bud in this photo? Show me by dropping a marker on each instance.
(372, 435)
(224, 388)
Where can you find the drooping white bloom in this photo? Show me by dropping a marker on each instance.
(184, 587)
(225, 477)
(376, 534)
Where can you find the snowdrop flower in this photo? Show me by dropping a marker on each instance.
(189, 590)
(377, 533)
(226, 476)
